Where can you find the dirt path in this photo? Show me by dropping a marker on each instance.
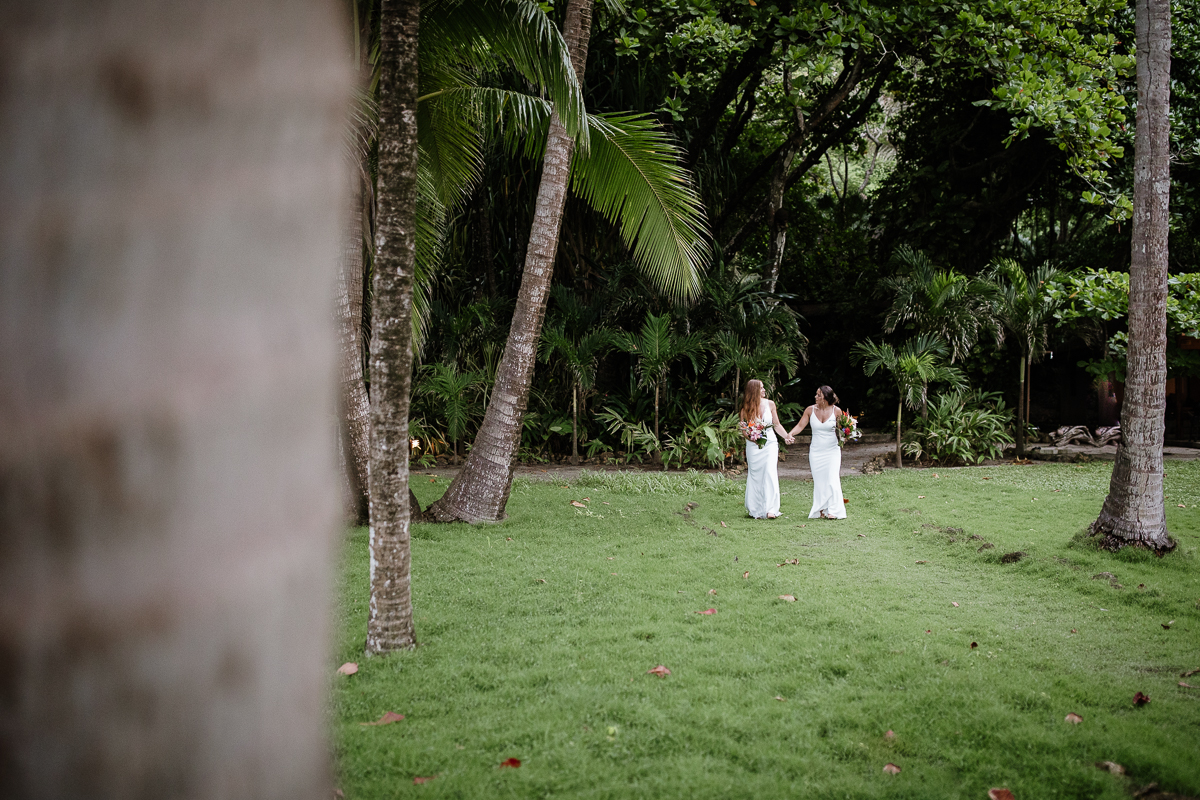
(795, 463)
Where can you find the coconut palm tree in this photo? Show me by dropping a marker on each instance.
(1024, 307)
(942, 302)
(913, 366)
(626, 168)
(656, 347)
(1134, 510)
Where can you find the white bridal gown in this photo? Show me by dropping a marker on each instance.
(825, 461)
(762, 473)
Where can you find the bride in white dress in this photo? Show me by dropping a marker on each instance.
(824, 456)
(762, 463)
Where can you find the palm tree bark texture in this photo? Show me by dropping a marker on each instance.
(170, 199)
(480, 491)
(1134, 511)
(389, 620)
(355, 405)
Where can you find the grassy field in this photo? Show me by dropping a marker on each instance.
(537, 633)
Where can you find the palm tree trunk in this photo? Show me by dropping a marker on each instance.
(575, 424)
(899, 414)
(169, 218)
(1134, 512)
(1020, 432)
(480, 490)
(389, 620)
(355, 406)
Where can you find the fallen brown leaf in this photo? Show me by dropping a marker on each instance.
(928, 631)
(954, 604)
(1074, 631)
(974, 645)
(891, 769)
(508, 538)
(922, 562)
(862, 536)
(541, 580)
(1111, 766)
(510, 762)
(432, 480)
(780, 698)
(349, 668)
(1181, 505)
(1189, 673)
(890, 735)
(1000, 794)
(426, 779)
(1073, 718)
(708, 612)
(578, 504)
(745, 574)
(587, 499)
(387, 719)
(788, 597)
(660, 671)
(986, 479)
(1167, 625)
(935, 474)
(920, 497)
(1140, 699)
(723, 525)
(1186, 685)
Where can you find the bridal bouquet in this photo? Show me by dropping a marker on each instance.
(754, 432)
(847, 429)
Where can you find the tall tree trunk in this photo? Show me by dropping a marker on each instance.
(389, 621)
(575, 424)
(1134, 512)
(170, 204)
(1020, 432)
(355, 407)
(480, 490)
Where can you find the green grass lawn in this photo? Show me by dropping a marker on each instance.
(537, 633)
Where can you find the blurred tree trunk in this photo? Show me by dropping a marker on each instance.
(389, 622)
(170, 201)
(1134, 512)
(355, 405)
(480, 490)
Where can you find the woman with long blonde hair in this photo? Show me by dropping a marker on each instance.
(760, 419)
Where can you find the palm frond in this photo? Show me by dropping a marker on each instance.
(632, 175)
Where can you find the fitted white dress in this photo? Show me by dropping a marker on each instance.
(762, 473)
(825, 461)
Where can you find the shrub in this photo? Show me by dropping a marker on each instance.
(961, 428)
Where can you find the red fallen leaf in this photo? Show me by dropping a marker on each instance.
(660, 671)
(745, 574)
(1186, 685)
(510, 762)
(890, 735)
(1000, 794)
(845, 500)
(508, 538)
(712, 591)
(891, 769)
(954, 604)
(723, 525)
(1074, 631)
(578, 504)
(928, 631)
(788, 597)
(708, 612)
(920, 497)
(974, 645)
(1140, 699)
(387, 719)
(432, 480)
(349, 668)
(424, 780)
(986, 479)
(1073, 718)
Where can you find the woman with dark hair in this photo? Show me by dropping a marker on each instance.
(760, 418)
(824, 456)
